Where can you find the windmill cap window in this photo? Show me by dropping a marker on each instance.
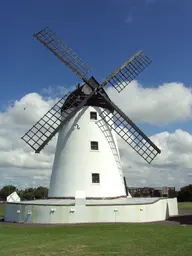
(94, 145)
(95, 178)
(93, 115)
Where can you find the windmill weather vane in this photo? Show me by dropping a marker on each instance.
(53, 121)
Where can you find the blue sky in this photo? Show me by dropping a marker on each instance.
(104, 33)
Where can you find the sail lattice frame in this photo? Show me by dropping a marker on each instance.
(46, 128)
(128, 71)
(131, 134)
(63, 52)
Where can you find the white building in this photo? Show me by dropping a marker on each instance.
(87, 182)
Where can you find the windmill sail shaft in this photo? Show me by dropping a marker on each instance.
(133, 125)
(63, 52)
(128, 71)
(130, 133)
(44, 129)
(47, 127)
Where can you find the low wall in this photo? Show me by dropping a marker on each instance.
(159, 210)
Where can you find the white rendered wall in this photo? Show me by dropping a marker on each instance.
(44, 214)
(75, 162)
(172, 207)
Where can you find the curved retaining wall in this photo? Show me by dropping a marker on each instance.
(158, 210)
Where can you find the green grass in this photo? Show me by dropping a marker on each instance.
(96, 240)
(118, 239)
(2, 210)
(185, 205)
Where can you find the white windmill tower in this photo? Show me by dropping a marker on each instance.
(87, 156)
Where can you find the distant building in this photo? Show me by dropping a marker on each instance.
(152, 192)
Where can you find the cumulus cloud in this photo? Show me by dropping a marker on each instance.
(17, 161)
(167, 103)
(170, 102)
(172, 167)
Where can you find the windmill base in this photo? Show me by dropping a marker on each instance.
(55, 211)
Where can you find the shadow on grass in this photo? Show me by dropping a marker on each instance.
(182, 219)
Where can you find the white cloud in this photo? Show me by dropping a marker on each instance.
(170, 102)
(54, 91)
(171, 167)
(167, 103)
(17, 161)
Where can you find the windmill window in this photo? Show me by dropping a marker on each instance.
(95, 178)
(94, 145)
(93, 115)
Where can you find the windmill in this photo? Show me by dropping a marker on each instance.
(69, 117)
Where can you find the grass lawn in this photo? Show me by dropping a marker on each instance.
(81, 240)
(2, 210)
(118, 239)
(185, 205)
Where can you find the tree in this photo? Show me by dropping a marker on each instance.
(28, 194)
(41, 193)
(6, 191)
(185, 194)
(34, 193)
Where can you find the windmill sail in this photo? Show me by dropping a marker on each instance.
(127, 130)
(46, 128)
(128, 71)
(63, 52)
(130, 133)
